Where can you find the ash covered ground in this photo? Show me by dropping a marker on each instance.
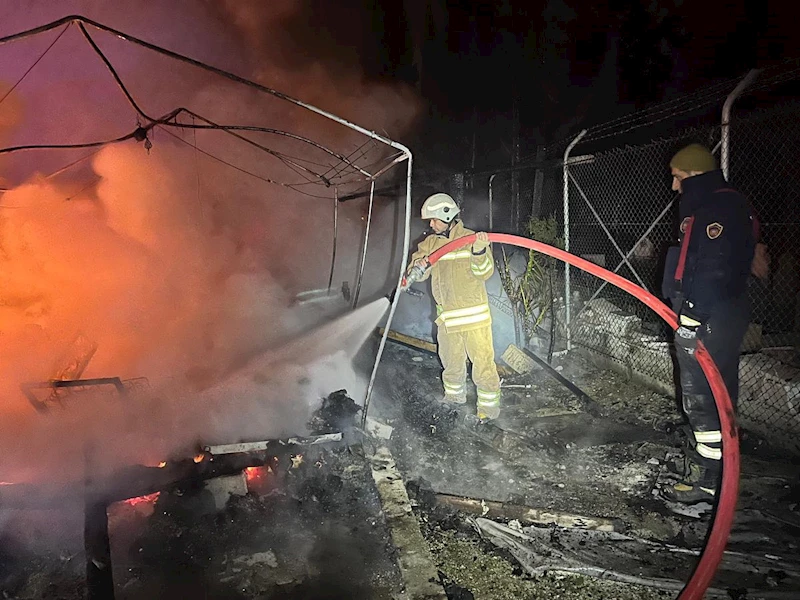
(559, 458)
(315, 528)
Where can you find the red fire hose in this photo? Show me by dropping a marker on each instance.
(726, 505)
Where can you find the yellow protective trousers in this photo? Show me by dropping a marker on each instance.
(475, 344)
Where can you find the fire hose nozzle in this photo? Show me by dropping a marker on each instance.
(414, 275)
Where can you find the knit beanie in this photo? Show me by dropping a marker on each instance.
(694, 157)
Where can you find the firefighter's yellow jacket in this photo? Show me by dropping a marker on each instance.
(457, 281)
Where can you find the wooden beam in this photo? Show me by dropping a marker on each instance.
(410, 341)
(523, 514)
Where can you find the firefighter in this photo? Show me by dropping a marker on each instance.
(705, 279)
(464, 324)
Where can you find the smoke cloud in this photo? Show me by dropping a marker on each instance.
(177, 266)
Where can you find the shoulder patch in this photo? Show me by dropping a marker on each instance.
(714, 230)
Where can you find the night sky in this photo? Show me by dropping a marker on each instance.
(571, 64)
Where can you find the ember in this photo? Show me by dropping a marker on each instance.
(148, 499)
(258, 479)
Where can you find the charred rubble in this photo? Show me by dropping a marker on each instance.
(291, 518)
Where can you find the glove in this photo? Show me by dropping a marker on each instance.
(686, 338)
(686, 334)
(415, 272)
(481, 243)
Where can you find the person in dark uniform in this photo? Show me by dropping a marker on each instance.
(705, 279)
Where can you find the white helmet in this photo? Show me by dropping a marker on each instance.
(440, 206)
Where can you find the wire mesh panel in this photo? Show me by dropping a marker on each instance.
(513, 200)
(622, 214)
(764, 167)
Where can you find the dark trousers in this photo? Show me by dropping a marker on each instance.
(722, 335)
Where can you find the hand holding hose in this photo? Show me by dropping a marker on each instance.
(481, 242)
(415, 273)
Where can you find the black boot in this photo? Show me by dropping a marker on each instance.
(681, 466)
(699, 484)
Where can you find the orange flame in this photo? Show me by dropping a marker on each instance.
(148, 499)
(253, 473)
(259, 479)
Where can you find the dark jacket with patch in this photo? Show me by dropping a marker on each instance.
(711, 265)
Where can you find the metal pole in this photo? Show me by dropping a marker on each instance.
(99, 575)
(335, 233)
(726, 119)
(567, 291)
(393, 307)
(364, 245)
(491, 205)
(538, 183)
(607, 232)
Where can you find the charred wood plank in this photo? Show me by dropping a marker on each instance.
(97, 546)
(526, 515)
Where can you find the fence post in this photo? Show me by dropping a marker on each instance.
(491, 205)
(515, 156)
(567, 291)
(458, 189)
(726, 119)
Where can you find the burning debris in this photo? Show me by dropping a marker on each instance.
(337, 414)
(286, 535)
(262, 518)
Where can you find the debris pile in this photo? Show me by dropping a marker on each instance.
(298, 517)
(318, 532)
(337, 414)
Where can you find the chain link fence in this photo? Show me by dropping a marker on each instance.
(764, 166)
(622, 214)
